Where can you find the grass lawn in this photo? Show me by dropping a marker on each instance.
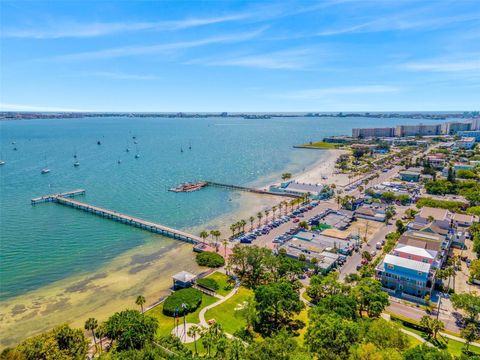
(454, 347)
(166, 323)
(226, 315)
(321, 145)
(304, 317)
(222, 281)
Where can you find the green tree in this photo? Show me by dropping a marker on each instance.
(91, 324)
(130, 329)
(193, 332)
(424, 352)
(140, 301)
(249, 264)
(251, 219)
(303, 225)
(475, 269)
(400, 226)
(330, 337)
(470, 334)
(432, 326)
(469, 303)
(286, 176)
(370, 297)
(204, 235)
(386, 334)
(324, 286)
(259, 217)
(276, 304)
(281, 346)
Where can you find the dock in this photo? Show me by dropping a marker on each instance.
(52, 198)
(65, 199)
(252, 190)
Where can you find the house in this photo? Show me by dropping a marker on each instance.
(375, 212)
(462, 220)
(410, 175)
(415, 253)
(406, 276)
(462, 166)
(466, 143)
(440, 217)
(424, 240)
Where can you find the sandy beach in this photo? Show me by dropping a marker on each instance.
(323, 171)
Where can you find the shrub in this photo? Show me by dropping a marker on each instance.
(210, 259)
(209, 283)
(192, 298)
(454, 206)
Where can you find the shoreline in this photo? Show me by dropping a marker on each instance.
(145, 269)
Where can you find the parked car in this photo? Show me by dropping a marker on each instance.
(296, 220)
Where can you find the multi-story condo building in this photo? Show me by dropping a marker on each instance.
(473, 133)
(361, 133)
(451, 128)
(417, 130)
(406, 276)
(466, 143)
(475, 124)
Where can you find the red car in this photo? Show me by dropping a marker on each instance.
(296, 220)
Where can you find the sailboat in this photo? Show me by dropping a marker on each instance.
(189, 145)
(76, 163)
(45, 170)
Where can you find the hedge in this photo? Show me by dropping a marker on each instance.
(210, 259)
(208, 283)
(192, 298)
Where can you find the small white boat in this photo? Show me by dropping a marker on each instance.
(76, 164)
(45, 171)
(2, 162)
(137, 156)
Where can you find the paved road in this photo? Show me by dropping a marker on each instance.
(416, 314)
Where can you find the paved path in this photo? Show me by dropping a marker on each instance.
(201, 315)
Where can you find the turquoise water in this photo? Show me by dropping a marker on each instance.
(45, 243)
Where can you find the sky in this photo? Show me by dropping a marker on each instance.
(285, 56)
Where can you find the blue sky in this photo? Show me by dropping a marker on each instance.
(332, 55)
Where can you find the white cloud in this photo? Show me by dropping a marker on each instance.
(25, 107)
(286, 60)
(473, 65)
(406, 21)
(77, 30)
(320, 93)
(127, 51)
(121, 76)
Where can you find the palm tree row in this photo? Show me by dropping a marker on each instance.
(213, 233)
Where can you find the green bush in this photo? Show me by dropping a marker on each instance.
(210, 259)
(192, 298)
(454, 206)
(208, 283)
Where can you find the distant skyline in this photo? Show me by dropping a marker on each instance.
(285, 56)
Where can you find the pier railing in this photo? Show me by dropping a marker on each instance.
(65, 199)
(252, 190)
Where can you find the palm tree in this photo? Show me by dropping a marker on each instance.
(140, 301)
(225, 243)
(266, 215)
(204, 235)
(259, 217)
(251, 219)
(212, 233)
(274, 210)
(233, 227)
(242, 224)
(193, 331)
(91, 324)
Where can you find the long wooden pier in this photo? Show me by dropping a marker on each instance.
(252, 190)
(122, 218)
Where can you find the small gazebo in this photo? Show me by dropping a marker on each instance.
(183, 279)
